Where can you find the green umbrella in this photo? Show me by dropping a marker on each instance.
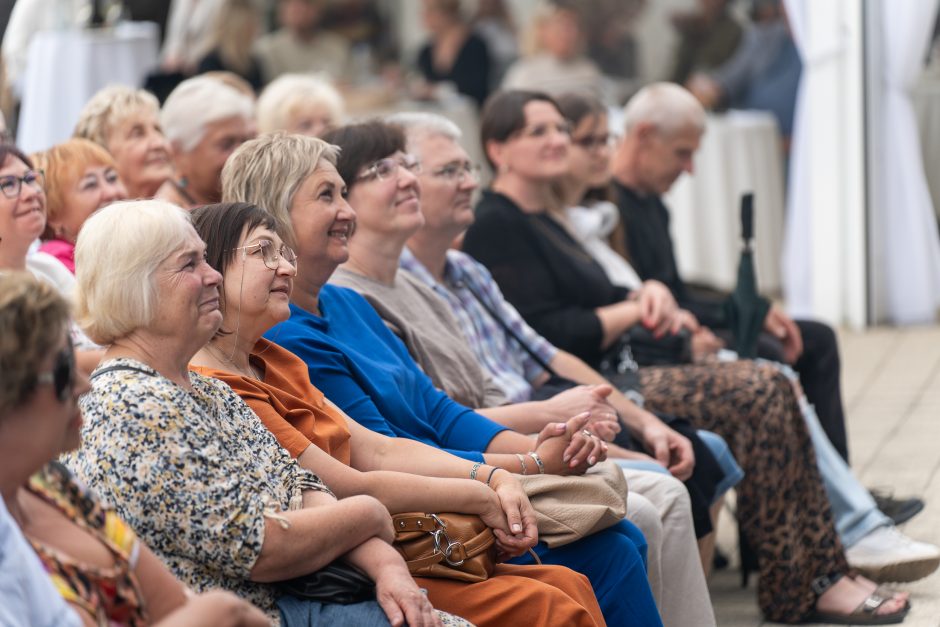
(745, 309)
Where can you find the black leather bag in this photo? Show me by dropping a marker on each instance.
(337, 582)
(669, 350)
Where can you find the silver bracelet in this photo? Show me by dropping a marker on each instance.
(521, 458)
(538, 462)
(473, 470)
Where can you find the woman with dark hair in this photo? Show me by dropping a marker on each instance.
(362, 367)
(561, 291)
(257, 276)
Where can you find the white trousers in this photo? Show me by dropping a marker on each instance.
(659, 505)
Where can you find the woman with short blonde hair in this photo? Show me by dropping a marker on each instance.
(307, 104)
(125, 122)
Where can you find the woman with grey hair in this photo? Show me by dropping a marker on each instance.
(126, 122)
(184, 460)
(204, 119)
(307, 104)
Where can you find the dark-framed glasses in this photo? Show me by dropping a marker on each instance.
(62, 375)
(270, 254)
(385, 169)
(11, 185)
(458, 171)
(595, 142)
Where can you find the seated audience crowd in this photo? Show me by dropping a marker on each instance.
(245, 340)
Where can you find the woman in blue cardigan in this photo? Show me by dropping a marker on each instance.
(363, 368)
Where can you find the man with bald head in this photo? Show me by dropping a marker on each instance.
(663, 127)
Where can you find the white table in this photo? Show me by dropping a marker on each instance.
(65, 69)
(740, 152)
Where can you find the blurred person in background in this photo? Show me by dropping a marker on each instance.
(308, 104)
(708, 36)
(764, 72)
(233, 36)
(300, 44)
(556, 59)
(454, 54)
(126, 122)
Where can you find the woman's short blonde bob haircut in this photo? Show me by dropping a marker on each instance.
(117, 255)
(266, 171)
(109, 107)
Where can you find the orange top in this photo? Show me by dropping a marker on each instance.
(291, 407)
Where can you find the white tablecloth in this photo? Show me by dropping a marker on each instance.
(740, 152)
(66, 68)
(926, 100)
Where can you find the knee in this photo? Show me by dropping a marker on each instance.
(645, 515)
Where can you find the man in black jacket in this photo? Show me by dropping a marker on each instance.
(663, 126)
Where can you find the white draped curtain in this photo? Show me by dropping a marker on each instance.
(823, 261)
(906, 275)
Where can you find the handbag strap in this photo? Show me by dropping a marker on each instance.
(508, 329)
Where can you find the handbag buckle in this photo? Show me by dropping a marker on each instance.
(445, 546)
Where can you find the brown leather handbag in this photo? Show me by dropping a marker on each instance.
(449, 546)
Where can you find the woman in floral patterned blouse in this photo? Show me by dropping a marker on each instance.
(182, 457)
(93, 558)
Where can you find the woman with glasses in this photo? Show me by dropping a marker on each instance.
(22, 221)
(185, 461)
(353, 358)
(783, 509)
(258, 271)
(95, 561)
(81, 177)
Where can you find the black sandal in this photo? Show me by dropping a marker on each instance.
(864, 614)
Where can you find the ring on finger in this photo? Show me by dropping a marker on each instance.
(586, 433)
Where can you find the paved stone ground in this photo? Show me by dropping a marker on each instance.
(891, 383)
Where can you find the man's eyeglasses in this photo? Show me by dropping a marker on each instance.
(11, 185)
(458, 171)
(269, 253)
(595, 142)
(387, 168)
(62, 375)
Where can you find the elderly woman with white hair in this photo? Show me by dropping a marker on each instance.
(126, 122)
(307, 104)
(205, 120)
(185, 461)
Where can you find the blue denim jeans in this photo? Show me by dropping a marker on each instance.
(719, 449)
(853, 509)
(303, 613)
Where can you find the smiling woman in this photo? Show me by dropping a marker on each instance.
(81, 177)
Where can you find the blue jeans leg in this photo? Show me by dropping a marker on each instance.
(853, 509)
(614, 562)
(303, 613)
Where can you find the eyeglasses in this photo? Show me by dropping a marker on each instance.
(11, 185)
(269, 254)
(387, 168)
(541, 130)
(458, 171)
(595, 142)
(62, 375)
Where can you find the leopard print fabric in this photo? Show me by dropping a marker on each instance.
(783, 509)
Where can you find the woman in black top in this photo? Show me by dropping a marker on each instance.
(454, 54)
(783, 510)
